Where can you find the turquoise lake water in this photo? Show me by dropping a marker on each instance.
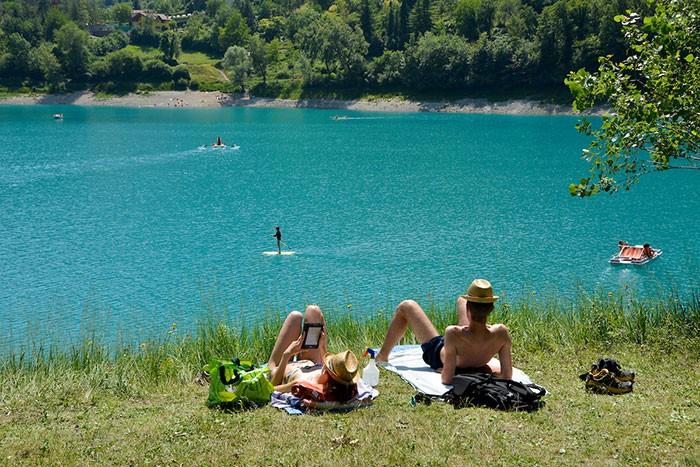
(113, 220)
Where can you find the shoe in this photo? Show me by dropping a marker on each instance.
(604, 382)
(613, 367)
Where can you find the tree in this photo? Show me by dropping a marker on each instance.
(53, 21)
(393, 34)
(367, 26)
(340, 47)
(654, 99)
(421, 20)
(237, 63)
(17, 63)
(466, 14)
(438, 62)
(145, 33)
(47, 64)
(121, 13)
(554, 33)
(170, 46)
(72, 48)
(78, 11)
(235, 32)
(199, 34)
(259, 56)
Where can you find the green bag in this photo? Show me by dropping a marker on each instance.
(236, 383)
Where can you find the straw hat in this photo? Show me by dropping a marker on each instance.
(480, 291)
(342, 367)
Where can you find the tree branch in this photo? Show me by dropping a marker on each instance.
(690, 167)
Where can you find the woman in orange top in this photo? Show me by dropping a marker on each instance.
(333, 375)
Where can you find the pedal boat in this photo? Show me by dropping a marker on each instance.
(634, 255)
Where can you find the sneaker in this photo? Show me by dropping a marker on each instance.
(604, 382)
(613, 367)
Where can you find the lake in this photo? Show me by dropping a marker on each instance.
(114, 221)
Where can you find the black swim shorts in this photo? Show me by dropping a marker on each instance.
(431, 352)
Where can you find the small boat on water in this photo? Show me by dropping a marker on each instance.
(634, 255)
(58, 116)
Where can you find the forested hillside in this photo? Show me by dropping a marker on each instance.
(284, 47)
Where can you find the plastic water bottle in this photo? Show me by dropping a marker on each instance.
(370, 374)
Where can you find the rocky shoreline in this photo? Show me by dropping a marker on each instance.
(200, 99)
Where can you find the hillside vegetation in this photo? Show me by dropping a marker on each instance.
(308, 48)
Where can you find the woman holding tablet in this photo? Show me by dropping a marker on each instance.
(334, 373)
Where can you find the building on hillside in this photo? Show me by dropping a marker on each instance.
(180, 19)
(138, 15)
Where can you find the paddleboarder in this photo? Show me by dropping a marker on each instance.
(278, 236)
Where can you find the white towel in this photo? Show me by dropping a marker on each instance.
(407, 362)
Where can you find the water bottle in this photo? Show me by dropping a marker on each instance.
(370, 374)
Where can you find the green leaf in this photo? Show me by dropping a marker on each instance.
(689, 58)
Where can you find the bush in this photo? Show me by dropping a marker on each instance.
(99, 70)
(111, 43)
(124, 65)
(181, 72)
(388, 68)
(180, 84)
(111, 87)
(145, 88)
(157, 71)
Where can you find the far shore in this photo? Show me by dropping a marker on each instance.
(200, 99)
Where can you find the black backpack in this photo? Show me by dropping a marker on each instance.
(483, 390)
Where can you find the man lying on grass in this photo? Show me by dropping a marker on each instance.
(467, 347)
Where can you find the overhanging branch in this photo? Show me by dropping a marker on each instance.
(689, 167)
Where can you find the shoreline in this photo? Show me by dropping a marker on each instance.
(215, 99)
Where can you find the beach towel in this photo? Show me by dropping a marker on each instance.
(294, 406)
(407, 362)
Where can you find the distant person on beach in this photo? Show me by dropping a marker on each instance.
(278, 236)
(467, 347)
(648, 252)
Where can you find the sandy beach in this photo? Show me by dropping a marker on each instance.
(198, 99)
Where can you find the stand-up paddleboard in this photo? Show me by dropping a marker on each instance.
(274, 253)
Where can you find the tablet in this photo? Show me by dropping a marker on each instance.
(312, 335)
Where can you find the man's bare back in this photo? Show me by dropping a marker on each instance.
(470, 345)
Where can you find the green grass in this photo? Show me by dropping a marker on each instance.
(203, 70)
(197, 58)
(144, 52)
(137, 405)
(206, 74)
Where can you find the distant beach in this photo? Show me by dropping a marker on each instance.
(199, 99)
